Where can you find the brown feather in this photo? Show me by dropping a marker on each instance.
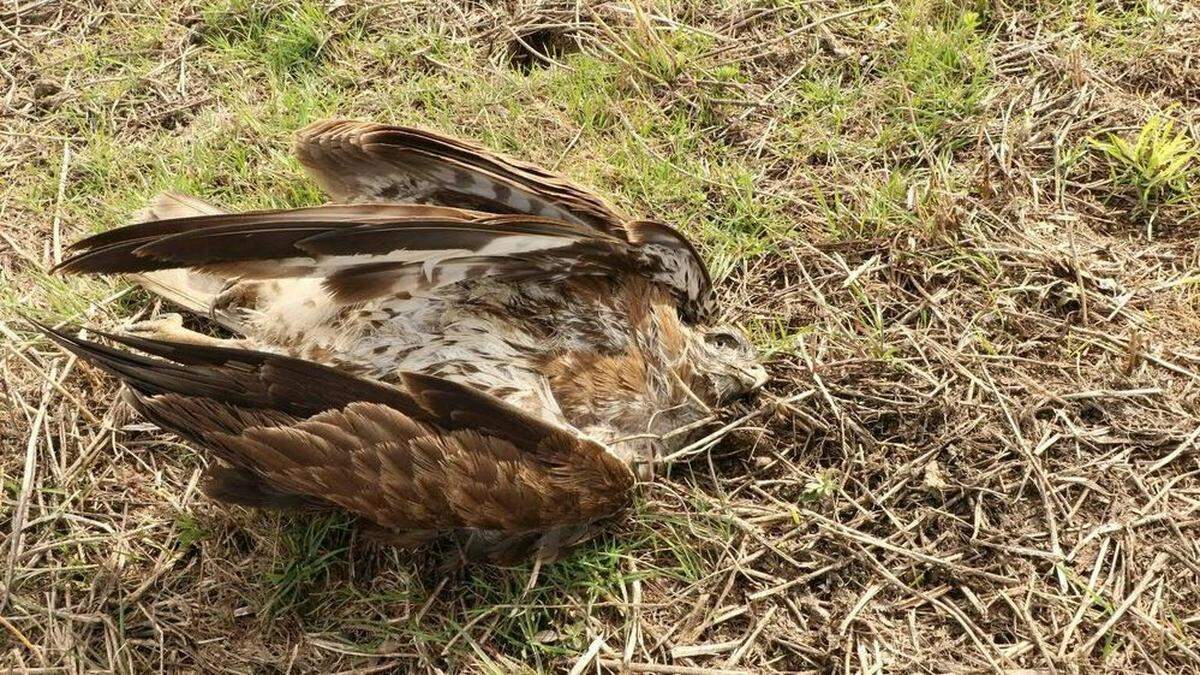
(370, 251)
(384, 250)
(431, 455)
(364, 161)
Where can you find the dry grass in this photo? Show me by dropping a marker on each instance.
(979, 450)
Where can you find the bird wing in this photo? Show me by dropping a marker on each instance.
(429, 455)
(365, 161)
(367, 251)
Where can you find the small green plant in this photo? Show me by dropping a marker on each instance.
(820, 486)
(1157, 163)
(190, 531)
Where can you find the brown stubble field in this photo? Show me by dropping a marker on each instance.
(963, 233)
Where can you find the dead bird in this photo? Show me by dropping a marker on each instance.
(464, 345)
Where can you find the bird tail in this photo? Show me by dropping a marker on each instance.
(194, 291)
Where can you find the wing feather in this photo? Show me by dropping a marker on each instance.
(369, 251)
(536, 224)
(364, 161)
(429, 456)
(384, 250)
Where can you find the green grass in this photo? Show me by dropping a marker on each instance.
(288, 40)
(313, 552)
(941, 72)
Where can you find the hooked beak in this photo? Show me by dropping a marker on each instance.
(756, 377)
(760, 377)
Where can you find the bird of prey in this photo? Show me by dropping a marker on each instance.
(463, 345)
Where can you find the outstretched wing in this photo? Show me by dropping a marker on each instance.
(365, 161)
(430, 456)
(374, 250)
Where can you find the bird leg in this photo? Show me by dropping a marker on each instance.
(169, 327)
(237, 294)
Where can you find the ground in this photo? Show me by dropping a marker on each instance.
(962, 233)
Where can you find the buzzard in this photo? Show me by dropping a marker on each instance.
(463, 345)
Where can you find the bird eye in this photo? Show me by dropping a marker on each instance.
(722, 340)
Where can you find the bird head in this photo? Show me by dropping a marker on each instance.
(732, 366)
